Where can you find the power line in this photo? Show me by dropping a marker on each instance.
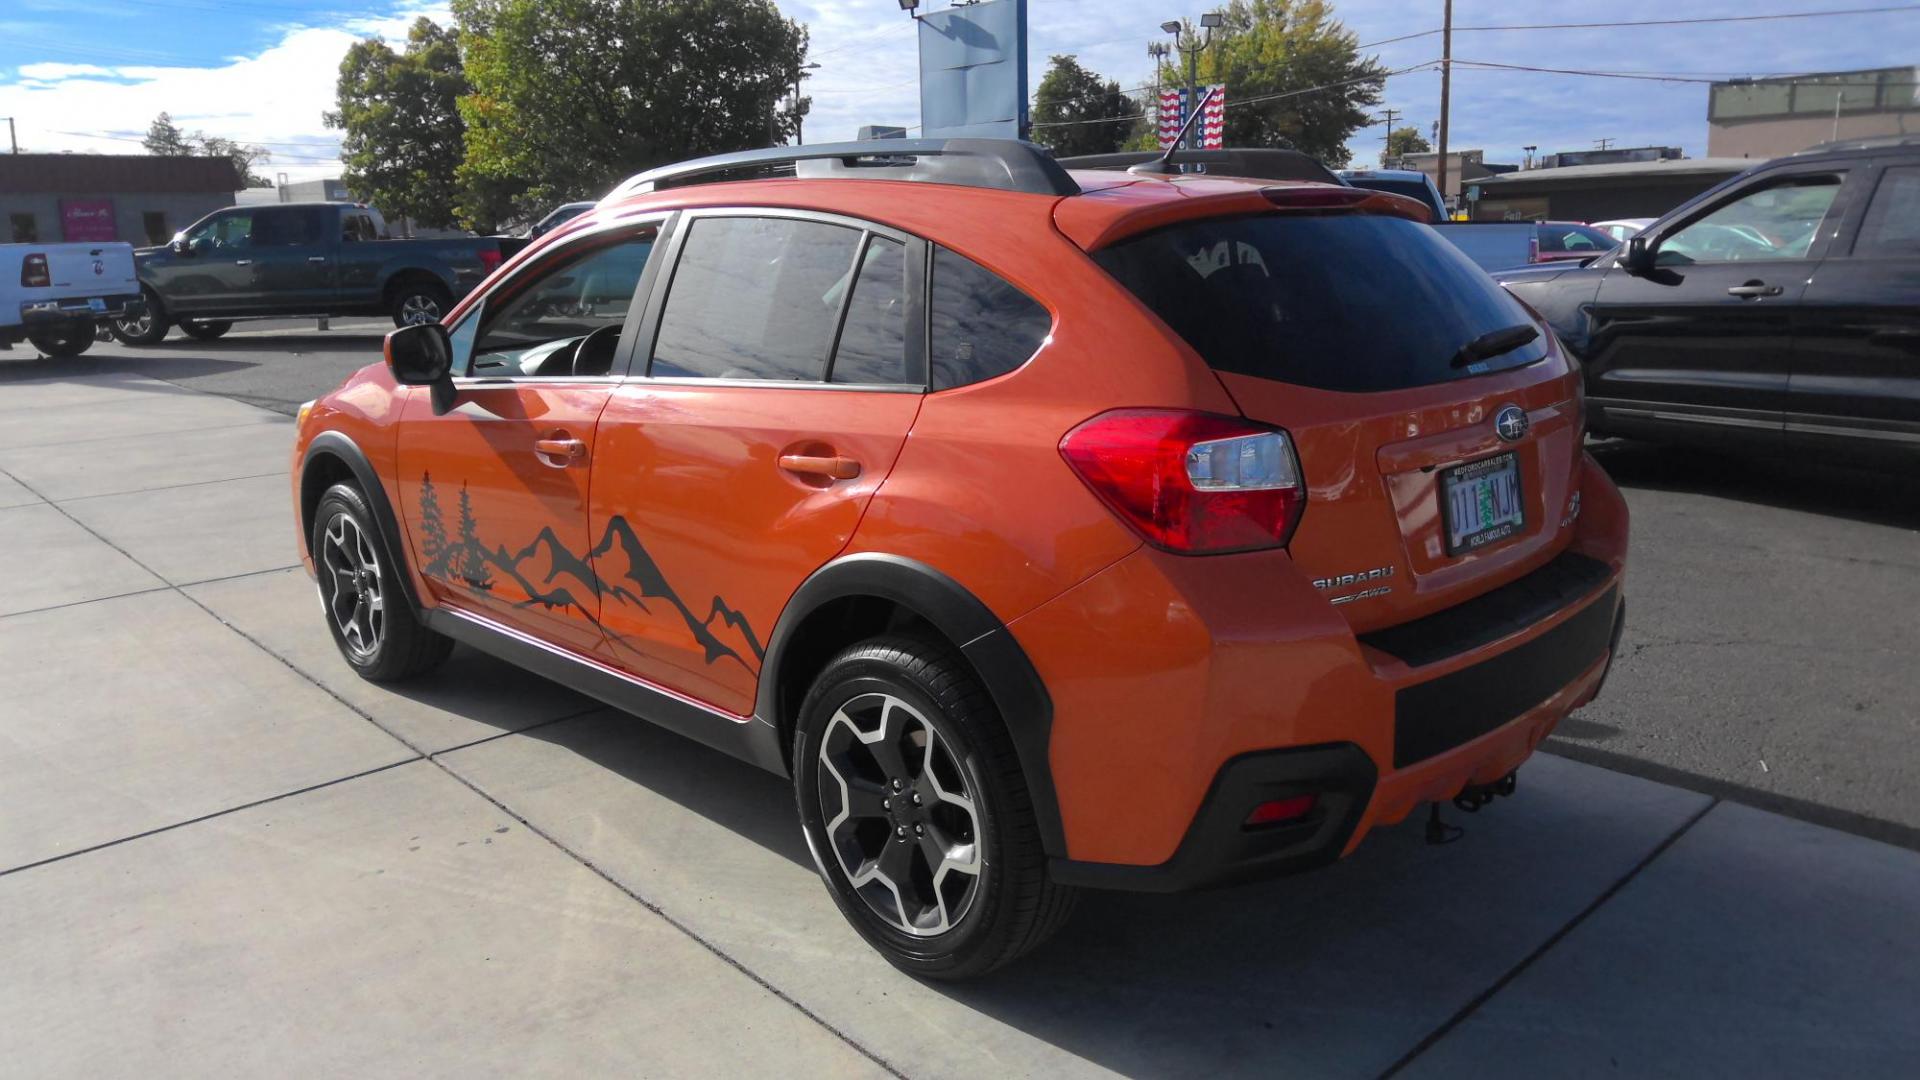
(1262, 97)
(1628, 24)
(1670, 77)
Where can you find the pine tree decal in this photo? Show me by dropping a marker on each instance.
(473, 563)
(433, 531)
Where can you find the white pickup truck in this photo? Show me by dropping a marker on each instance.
(55, 295)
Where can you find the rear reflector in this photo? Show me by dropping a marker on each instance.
(1275, 811)
(489, 259)
(1192, 483)
(33, 271)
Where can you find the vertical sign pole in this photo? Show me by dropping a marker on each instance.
(1021, 126)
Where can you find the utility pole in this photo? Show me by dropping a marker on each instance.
(1446, 89)
(14, 140)
(1386, 152)
(1603, 144)
(805, 72)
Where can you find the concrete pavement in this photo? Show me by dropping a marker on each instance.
(222, 853)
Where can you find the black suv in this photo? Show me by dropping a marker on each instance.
(1778, 311)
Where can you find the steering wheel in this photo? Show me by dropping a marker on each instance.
(594, 355)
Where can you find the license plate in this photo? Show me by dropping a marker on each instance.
(1483, 504)
(97, 304)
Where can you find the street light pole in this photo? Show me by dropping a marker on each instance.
(799, 139)
(1446, 89)
(12, 139)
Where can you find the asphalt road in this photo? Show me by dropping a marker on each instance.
(1773, 605)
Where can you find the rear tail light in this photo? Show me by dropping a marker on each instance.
(1278, 811)
(489, 260)
(33, 271)
(1189, 482)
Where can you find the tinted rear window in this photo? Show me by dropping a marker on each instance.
(1348, 302)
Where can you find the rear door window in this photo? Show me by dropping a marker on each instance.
(873, 339)
(754, 298)
(1892, 224)
(1351, 302)
(981, 324)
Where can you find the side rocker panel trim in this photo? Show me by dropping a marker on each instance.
(1011, 681)
(746, 738)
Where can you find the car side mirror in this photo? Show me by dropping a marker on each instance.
(1638, 256)
(178, 245)
(423, 356)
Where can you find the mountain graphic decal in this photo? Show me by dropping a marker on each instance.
(552, 576)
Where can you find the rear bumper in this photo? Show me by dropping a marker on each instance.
(68, 308)
(1217, 684)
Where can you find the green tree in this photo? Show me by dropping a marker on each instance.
(404, 138)
(1078, 112)
(164, 137)
(1265, 49)
(1406, 140)
(570, 96)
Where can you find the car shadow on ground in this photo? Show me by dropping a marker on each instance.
(1314, 973)
(1878, 497)
(27, 367)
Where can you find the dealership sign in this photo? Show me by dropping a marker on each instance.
(82, 220)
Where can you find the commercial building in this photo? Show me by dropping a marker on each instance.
(1597, 192)
(1463, 168)
(1767, 118)
(141, 199)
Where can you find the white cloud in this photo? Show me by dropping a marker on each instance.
(868, 72)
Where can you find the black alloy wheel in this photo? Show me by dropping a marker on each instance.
(366, 609)
(916, 812)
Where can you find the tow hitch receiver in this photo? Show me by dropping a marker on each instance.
(1469, 801)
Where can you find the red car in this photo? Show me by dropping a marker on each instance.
(1050, 530)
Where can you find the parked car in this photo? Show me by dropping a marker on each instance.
(1621, 228)
(1503, 245)
(1778, 311)
(973, 494)
(557, 217)
(54, 295)
(299, 259)
(1411, 183)
(1260, 163)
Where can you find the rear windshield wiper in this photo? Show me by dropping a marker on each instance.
(1494, 343)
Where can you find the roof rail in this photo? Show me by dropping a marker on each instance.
(1006, 164)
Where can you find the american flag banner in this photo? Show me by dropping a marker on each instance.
(1173, 110)
(1213, 125)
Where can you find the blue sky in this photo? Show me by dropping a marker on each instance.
(90, 74)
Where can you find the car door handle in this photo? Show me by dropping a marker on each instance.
(243, 262)
(316, 258)
(1901, 337)
(559, 451)
(834, 467)
(1754, 289)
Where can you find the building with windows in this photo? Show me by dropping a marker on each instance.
(1766, 118)
(141, 199)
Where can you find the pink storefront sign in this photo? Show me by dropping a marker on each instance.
(82, 220)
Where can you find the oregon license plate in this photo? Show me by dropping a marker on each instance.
(1483, 504)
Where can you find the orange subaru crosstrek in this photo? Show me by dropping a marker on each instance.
(1050, 530)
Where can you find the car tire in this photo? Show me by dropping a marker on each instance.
(62, 341)
(150, 328)
(871, 813)
(361, 594)
(205, 330)
(417, 303)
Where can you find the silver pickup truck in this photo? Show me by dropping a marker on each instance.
(55, 295)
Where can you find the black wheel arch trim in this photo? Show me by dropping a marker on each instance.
(386, 525)
(988, 646)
